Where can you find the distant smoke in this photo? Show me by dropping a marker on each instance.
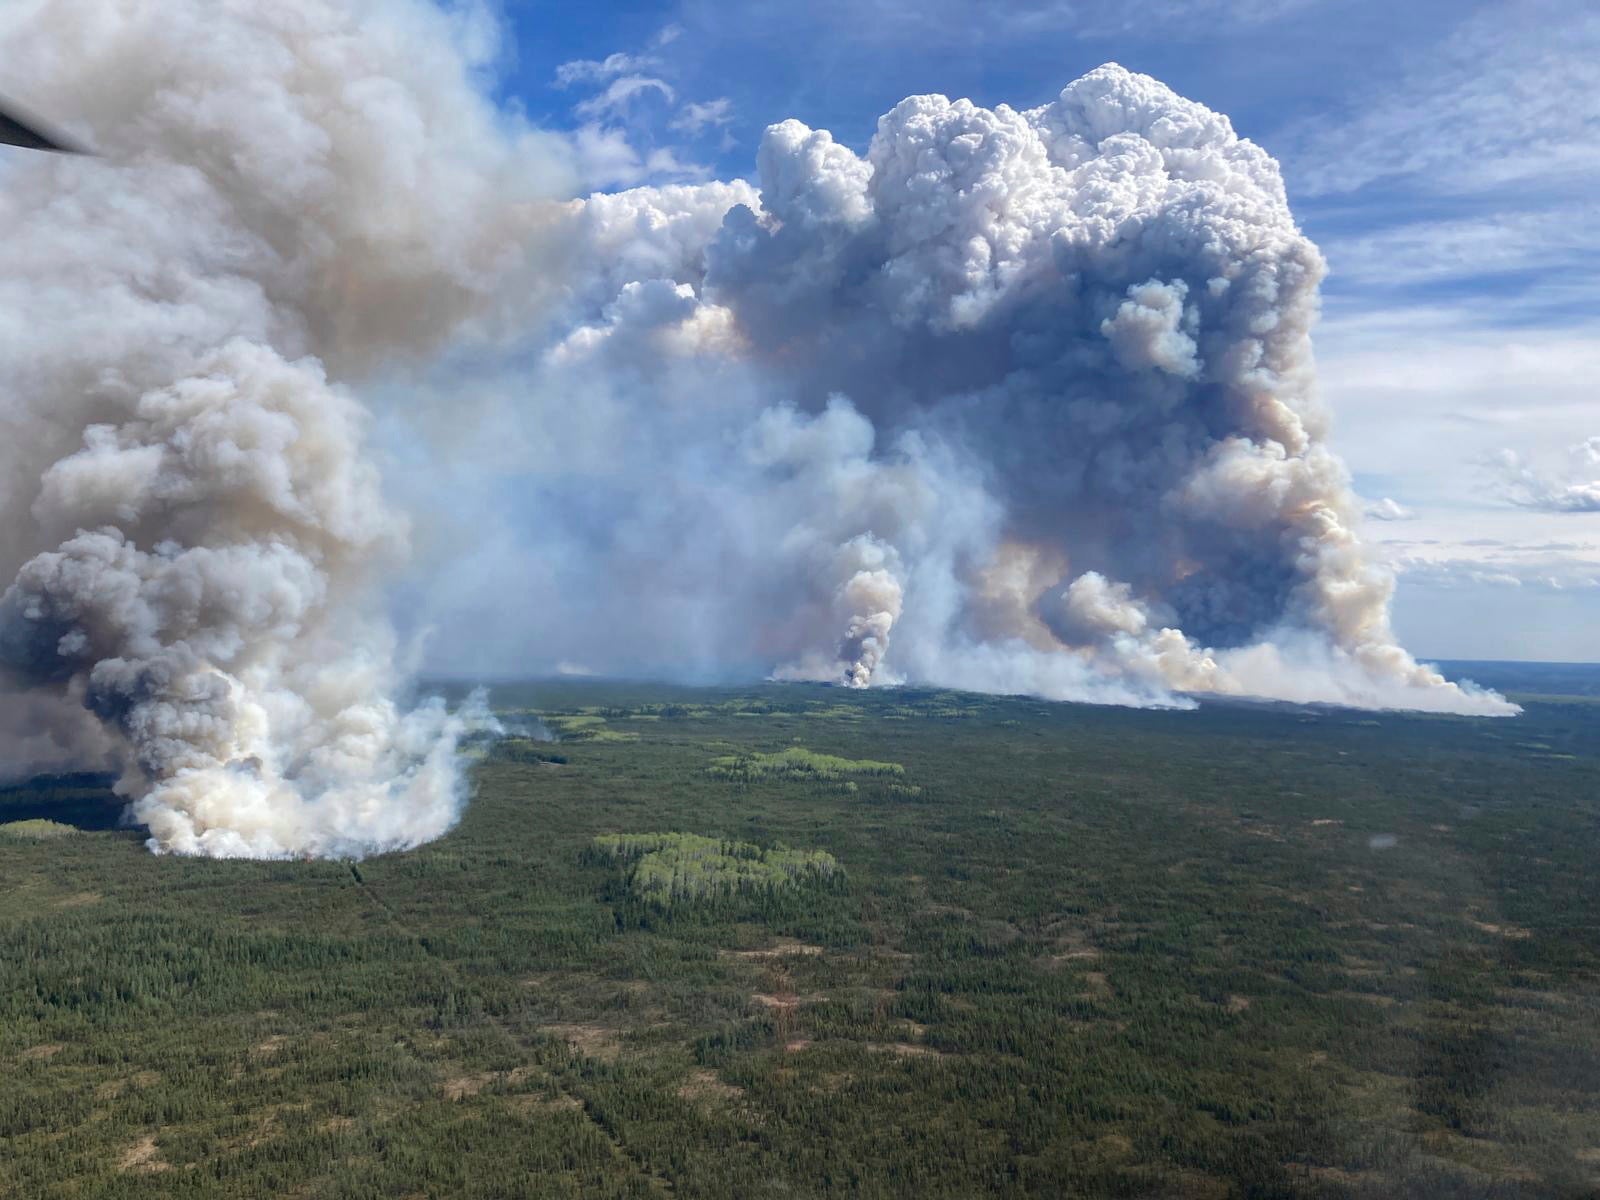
(1020, 401)
(290, 194)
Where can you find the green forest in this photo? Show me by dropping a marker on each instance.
(798, 941)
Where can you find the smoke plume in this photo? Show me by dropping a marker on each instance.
(289, 194)
(1017, 401)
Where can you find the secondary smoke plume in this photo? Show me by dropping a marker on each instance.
(289, 194)
(1018, 401)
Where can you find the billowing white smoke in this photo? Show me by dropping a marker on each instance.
(866, 606)
(1021, 401)
(289, 194)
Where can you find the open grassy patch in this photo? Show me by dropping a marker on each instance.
(38, 829)
(570, 723)
(799, 764)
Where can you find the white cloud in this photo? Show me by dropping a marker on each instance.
(930, 23)
(1422, 393)
(692, 118)
(1557, 574)
(1489, 134)
(1423, 398)
(1387, 510)
(614, 121)
(606, 158)
(1511, 95)
(663, 163)
(590, 70)
(1463, 248)
(1576, 490)
(1108, 18)
(621, 92)
(1496, 598)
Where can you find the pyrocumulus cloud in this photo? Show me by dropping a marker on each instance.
(1018, 400)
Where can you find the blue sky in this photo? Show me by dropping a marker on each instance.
(1446, 156)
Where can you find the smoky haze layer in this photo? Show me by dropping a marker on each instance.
(1018, 401)
(195, 537)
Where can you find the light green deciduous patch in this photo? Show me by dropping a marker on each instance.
(38, 829)
(800, 764)
(570, 723)
(586, 726)
(672, 868)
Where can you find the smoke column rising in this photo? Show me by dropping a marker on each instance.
(1018, 401)
(289, 194)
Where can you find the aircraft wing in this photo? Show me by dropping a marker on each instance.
(18, 128)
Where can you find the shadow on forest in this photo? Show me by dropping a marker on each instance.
(83, 799)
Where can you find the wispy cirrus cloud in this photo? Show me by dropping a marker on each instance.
(1549, 575)
(632, 124)
(1449, 250)
(621, 92)
(1385, 509)
(1512, 94)
(692, 118)
(970, 21)
(598, 70)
